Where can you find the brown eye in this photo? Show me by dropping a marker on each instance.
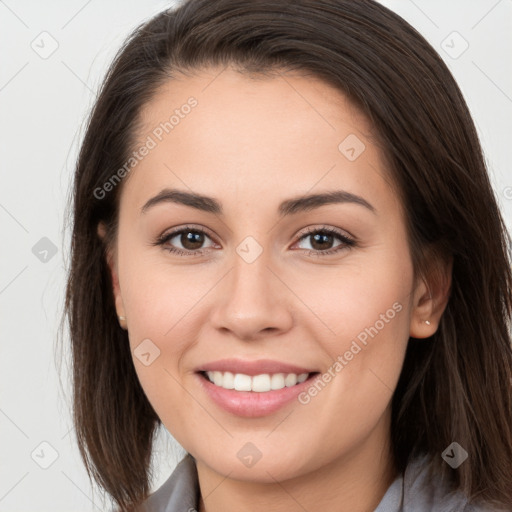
(190, 239)
(322, 240)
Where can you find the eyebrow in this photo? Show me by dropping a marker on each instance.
(289, 207)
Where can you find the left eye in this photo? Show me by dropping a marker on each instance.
(325, 236)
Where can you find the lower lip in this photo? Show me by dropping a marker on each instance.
(252, 404)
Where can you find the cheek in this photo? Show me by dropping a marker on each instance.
(162, 319)
(365, 311)
(368, 291)
(163, 308)
(157, 295)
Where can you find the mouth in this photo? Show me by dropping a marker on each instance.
(253, 396)
(262, 383)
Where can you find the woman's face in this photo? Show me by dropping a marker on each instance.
(265, 282)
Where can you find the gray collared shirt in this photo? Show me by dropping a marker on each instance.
(410, 492)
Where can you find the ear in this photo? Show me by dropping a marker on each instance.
(430, 298)
(112, 265)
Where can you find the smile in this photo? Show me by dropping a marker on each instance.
(253, 396)
(259, 383)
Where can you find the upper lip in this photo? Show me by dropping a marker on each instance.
(252, 367)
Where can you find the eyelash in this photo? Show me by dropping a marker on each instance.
(347, 243)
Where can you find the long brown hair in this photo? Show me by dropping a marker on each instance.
(457, 386)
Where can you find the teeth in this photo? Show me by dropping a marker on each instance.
(259, 383)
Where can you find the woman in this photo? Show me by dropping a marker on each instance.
(287, 251)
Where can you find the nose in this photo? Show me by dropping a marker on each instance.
(253, 301)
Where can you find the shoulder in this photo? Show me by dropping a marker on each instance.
(422, 488)
(180, 492)
(419, 489)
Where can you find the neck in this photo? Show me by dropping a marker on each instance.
(354, 482)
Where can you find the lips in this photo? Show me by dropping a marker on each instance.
(254, 367)
(250, 404)
(263, 400)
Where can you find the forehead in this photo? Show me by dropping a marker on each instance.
(305, 101)
(219, 131)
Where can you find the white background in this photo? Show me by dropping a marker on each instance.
(43, 104)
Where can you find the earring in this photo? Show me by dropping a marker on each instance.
(122, 321)
(427, 322)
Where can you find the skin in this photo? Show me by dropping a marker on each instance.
(251, 143)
